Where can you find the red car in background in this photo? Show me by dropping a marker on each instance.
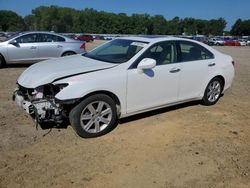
(231, 42)
(86, 38)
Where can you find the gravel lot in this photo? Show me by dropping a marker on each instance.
(187, 145)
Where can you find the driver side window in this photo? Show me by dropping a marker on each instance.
(30, 38)
(164, 53)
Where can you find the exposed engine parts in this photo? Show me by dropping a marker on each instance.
(40, 103)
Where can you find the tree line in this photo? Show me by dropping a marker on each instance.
(68, 20)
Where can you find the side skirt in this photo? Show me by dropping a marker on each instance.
(158, 107)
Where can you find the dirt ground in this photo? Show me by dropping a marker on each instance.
(188, 145)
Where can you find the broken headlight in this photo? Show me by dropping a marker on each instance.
(48, 91)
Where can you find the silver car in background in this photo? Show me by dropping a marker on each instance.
(30, 47)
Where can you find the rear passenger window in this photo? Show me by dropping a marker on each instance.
(51, 38)
(192, 52)
(60, 39)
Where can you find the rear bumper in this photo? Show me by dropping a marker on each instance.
(229, 77)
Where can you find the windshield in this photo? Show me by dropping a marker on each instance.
(116, 51)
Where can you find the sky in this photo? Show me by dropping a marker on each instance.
(230, 10)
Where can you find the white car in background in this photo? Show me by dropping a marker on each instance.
(216, 41)
(123, 77)
(248, 42)
(242, 42)
(30, 47)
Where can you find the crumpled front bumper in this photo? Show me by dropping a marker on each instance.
(19, 99)
(41, 110)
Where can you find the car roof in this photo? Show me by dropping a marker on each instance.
(157, 39)
(148, 39)
(154, 39)
(44, 32)
(19, 34)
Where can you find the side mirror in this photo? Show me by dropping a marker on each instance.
(146, 63)
(13, 42)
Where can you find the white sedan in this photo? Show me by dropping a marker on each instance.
(242, 42)
(123, 77)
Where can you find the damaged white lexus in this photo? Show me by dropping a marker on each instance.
(120, 78)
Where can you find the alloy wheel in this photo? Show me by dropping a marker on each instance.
(214, 91)
(96, 116)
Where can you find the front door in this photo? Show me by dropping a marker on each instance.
(157, 86)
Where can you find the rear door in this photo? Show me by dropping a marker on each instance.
(197, 64)
(25, 49)
(50, 46)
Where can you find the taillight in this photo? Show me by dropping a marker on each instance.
(82, 46)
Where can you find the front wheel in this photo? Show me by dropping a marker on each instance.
(94, 116)
(213, 92)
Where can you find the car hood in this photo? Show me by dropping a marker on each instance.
(50, 70)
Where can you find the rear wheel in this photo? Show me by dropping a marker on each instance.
(68, 53)
(213, 91)
(2, 61)
(94, 116)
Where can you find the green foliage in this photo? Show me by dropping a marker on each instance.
(68, 20)
(10, 21)
(158, 25)
(241, 28)
(216, 27)
(174, 27)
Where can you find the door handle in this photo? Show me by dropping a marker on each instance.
(59, 46)
(174, 70)
(33, 47)
(211, 64)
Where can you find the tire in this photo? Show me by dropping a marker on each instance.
(2, 61)
(213, 92)
(94, 116)
(68, 53)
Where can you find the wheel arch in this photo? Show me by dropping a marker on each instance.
(221, 78)
(206, 101)
(71, 51)
(108, 93)
(209, 80)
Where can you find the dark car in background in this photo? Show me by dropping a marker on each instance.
(86, 38)
(202, 39)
